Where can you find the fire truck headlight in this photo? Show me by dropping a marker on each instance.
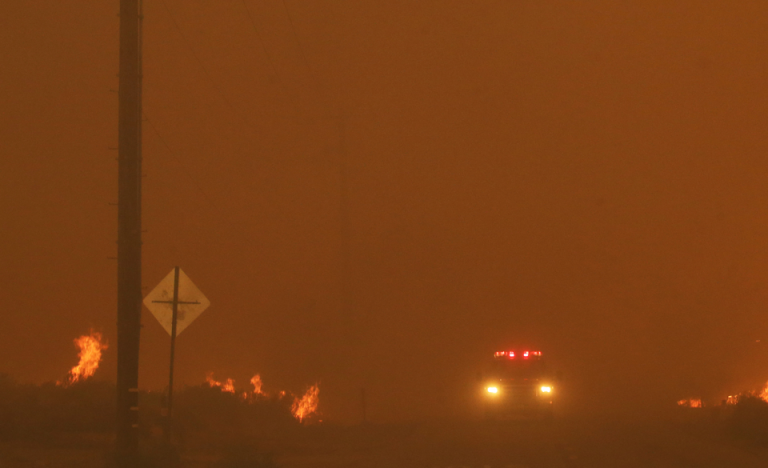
(492, 389)
(546, 389)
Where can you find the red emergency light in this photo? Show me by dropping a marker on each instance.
(511, 354)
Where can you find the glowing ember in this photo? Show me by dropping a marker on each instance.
(256, 382)
(91, 347)
(226, 386)
(690, 403)
(306, 405)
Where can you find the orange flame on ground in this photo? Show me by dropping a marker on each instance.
(227, 386)
(300, 409)
(690, 403)
(91, 347)
(764, 392)
(257, 383)
(306, 405)
(734, 399)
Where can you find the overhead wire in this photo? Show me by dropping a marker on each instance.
(217, 209)
(202, 66)
(215, 87)
(261, 40)
(289, 96)
(178, 160)
(298, 42)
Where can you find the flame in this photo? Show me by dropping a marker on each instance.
(306, 405)
(227, 386)
(209, 380)
(91, 347)
(690, 403)
(257, 383)
(764, 392)
(301, 408)
(730, 399)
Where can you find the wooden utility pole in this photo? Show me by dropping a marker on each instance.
(129, 233)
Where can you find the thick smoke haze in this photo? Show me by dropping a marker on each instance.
(379, 195)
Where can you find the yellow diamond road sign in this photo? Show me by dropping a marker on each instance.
(190, 302)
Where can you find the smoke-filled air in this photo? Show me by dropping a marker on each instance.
(344, 233)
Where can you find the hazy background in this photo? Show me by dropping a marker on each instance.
(585, 178)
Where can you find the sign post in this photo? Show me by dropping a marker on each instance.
(175, 314)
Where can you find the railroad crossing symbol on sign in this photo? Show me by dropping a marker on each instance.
(190, 302)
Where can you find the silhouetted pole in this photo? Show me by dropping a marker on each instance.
(175, 308)
(129, 233)
(174, 303)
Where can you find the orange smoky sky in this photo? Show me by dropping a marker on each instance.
(380, 194)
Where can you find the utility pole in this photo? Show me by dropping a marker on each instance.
(129, 233)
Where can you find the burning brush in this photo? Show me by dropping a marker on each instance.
(734, 399)
(226, 386)
(690, 403)
(307, 405)
(730, 400)
(91, 347)
(301, 408)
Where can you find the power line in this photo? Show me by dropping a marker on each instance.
(202, 66)
(178, 160)
(261, 41)
(298, 42)
(288, 94)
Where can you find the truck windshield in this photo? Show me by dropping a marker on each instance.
(517, 369)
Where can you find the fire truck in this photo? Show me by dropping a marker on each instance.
(518, 382)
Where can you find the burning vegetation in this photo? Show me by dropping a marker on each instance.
(226, 386)
(307, 405)
(91, 347)
(761, 394)
(690, 403)
(302, 407)
(256, 382)
(730, 400)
